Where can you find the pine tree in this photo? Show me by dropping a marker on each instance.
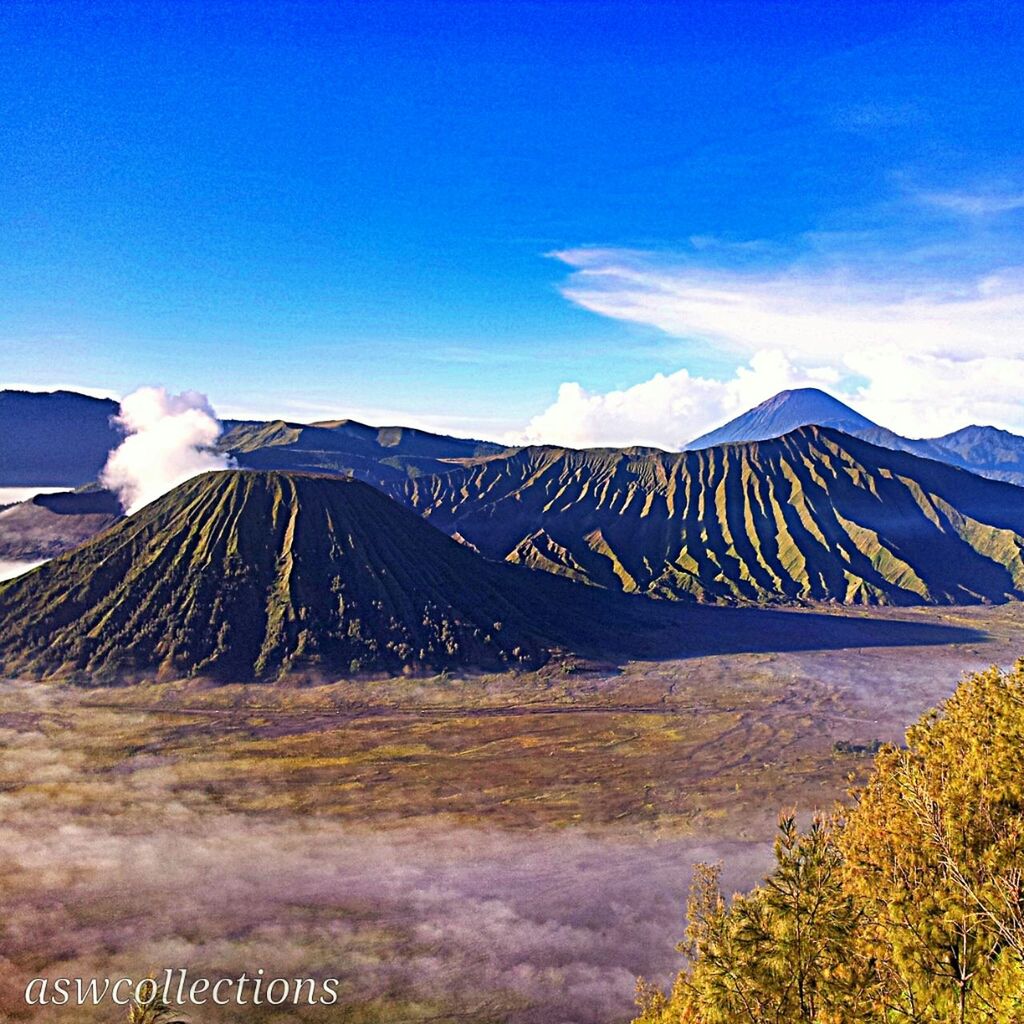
(908, 908)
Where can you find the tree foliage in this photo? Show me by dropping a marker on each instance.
(908, 907)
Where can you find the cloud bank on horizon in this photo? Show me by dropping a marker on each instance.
(169, 440)
(921, 356)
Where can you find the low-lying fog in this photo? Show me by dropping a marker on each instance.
(535, 928)
(11, 495)
(113, 874)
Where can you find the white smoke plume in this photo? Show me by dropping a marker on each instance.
(169, 439)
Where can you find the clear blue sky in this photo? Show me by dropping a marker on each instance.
(349, 205)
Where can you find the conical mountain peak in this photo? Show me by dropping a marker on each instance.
(245, 575)
(786, 411)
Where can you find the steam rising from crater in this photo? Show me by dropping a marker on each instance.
(170, 439)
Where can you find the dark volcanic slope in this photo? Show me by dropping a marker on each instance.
(345, 447)
(241, 575)
(53, 439)
(37, 529)
(810, 516)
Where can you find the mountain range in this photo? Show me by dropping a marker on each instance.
(813, 515)
(52, 439)
(241, 575)
(63, 438)
(818, 513)
(987, 451)
(47, 524)
(347, 448)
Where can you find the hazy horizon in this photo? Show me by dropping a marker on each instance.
(407, 420)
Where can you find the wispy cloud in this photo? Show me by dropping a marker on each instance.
(976, 204)
(806, 313)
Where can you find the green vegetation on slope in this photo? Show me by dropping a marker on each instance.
(242, 575)
(245, 575)
(910, 908)
(813, 515)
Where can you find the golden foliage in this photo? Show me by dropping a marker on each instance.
(908, 908)
(150, 1008)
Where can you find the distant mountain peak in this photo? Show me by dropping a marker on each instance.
(788, 410)
(988, 450)
(977, 430)
(807, 395)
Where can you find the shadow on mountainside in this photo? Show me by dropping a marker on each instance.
(643, 629)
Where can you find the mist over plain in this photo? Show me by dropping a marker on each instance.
(118, 859)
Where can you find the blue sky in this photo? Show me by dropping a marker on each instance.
(574, 221)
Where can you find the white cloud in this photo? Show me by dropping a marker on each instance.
(657, 412)
(925, 396)
(169, 440)
(920, 357)
(666, 411)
